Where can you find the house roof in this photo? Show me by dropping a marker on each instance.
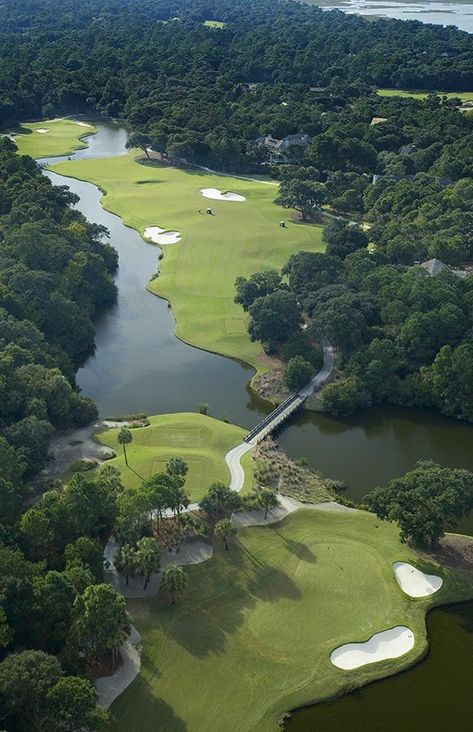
(434, 266)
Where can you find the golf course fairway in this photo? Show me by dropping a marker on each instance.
(63, 136)
(198, 274)
(200, 440)
(252, 635)
(464, 96)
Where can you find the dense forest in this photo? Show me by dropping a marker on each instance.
(155, 62)
(403, 335)
(55, 273)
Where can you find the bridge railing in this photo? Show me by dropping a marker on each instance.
(272, 417)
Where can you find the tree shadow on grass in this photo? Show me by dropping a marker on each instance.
(266, 581)
(139, 708)
(236, 585)
(301, 550)
(202, 629)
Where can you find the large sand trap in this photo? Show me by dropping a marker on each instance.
(414, 582)
(42, 130)
(387, 644)
(217, 195)
(161, 236)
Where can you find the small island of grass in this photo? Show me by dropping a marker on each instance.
(200, 440)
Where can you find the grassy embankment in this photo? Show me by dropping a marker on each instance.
(200, 440)
(198, 274)
(252, 636)
(464, 96)
(63, 138)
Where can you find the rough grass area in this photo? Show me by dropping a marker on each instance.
(270, 385)
(272, 468)
(464, 96)
(202, 441)
(198, 274)
(63, 138)
(252, 635)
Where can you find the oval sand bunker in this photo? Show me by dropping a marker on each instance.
(414, 582)
(42, 131)
(217, 195)
(387, 644)
(161, 236)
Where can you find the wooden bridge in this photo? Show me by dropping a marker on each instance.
(283, 411)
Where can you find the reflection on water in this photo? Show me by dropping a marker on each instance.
(378, 444)
(434, 696)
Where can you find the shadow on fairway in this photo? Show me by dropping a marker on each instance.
(148, 713)
(236, 586)
(301, 550)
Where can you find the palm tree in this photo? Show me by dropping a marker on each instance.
(147, 558)
(177, 466)
(125, 438)
(225, 529)
(174, 581)
(268, 499)
(125, 560)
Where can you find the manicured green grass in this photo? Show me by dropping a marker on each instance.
(63, 138)
(252, 636)
(214, 24)
(465, 96)
(202, 441)
(198, 274)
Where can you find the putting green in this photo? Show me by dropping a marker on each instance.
(464, 96)
(202, 441)
(198, 274)
(63, 137)
(252, 636)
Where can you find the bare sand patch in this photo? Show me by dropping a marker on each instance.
(42, 131)
(414, 582)
(390, 643)
(218, 195)
(161, 236)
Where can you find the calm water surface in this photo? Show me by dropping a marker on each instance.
(439, 13)
(434, 696)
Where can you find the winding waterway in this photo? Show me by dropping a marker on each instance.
(139, 366)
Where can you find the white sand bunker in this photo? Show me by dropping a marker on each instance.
(161, 236)
(387, 644)
(83, 124)
(414, 582)
(42, 130)
(217, 195)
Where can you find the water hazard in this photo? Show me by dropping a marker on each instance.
(139, 366)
